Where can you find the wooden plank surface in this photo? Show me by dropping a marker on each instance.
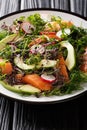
(15, 115)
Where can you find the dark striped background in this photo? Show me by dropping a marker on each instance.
(71, 115)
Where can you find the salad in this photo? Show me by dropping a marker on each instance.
(39, 57)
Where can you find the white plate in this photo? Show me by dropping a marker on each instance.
(45, 13)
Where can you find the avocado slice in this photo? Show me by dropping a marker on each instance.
(43, 64)
(3, 34)
(19, 63)
(22, 88)
(70, 59)
(47, 63)
(7, 39)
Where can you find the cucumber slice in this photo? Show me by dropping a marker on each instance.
(19, 63)
(7, 39)
(70, 60)
(27, 89)
(47, 63)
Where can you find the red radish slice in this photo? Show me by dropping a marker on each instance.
(37, 49)
(14, 28)
(48, 78)
(27, 27)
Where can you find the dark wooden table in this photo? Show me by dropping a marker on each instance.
(70, 115)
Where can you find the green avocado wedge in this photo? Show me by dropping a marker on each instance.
(47, 63)
(43, 64)
(7, 39)
(19, 63)
(70, 59)
(22, 88)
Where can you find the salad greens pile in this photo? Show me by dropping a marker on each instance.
(43, 57)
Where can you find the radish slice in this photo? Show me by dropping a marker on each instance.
(48, 78)
(27, 27)
(14, 28)
(37, 49)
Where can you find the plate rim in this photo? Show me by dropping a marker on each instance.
(47, 102)
(44, 9)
